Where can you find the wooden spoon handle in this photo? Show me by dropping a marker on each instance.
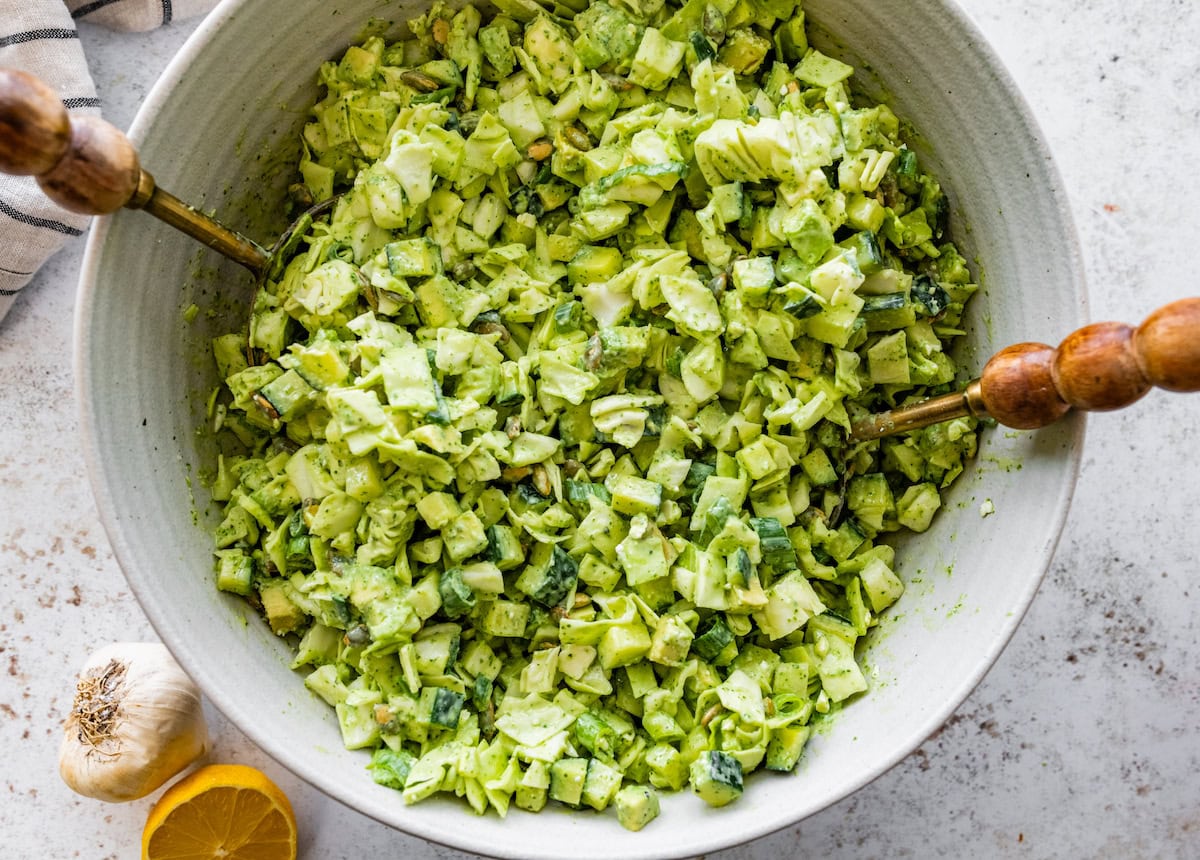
(88, 166)
(1100, 367)
(83, 164)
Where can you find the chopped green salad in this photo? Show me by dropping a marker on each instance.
(538, 450)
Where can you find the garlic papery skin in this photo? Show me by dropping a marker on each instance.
(136, 721)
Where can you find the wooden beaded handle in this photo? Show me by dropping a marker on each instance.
(84, 165)
(88, 166)
(1100, 367)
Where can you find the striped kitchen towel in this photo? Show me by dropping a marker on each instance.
(38, 36)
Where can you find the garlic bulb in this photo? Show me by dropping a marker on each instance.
(136, 722)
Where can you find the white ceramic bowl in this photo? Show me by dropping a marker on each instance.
(220, 128)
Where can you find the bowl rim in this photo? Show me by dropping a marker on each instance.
(276, 747)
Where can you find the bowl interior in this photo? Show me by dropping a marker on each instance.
(221, 130)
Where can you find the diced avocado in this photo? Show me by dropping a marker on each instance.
(667, 767)
(882, 586)
(754, 277)
(326, 683)
(438, 509)
(520, 116)
(359, 65)
(337, 515)
(464, 536)
(621, 347)
(607, 34)
(643, 552)
(671, 641)
(413, 258)
(791, 677)
(785, 746)
(530, 799)
(818, 468)
(358, 725)
(596, 573)
(744, 51)
(915, 509)
(632, 495)
(658, 594)
(283, 615)
(637, 806)
(600, 785)
(808, 232)
(865, 213)
(480, 660)
(841, 676)
(551, 50)
(567, 776)
(888, 359)
(791, 602)
(624, 644)
(505, 618)
(439, 301)
(435, 651)
(425, 599)
(657, 61)
(363, 481)
(870, 498)
(791, 40)
(426, 551)
(822, 71)
(496, 44)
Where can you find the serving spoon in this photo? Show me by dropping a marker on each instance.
(1100, 367)
(88, 166)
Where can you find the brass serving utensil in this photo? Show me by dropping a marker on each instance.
(1100, 367)
(87, 165)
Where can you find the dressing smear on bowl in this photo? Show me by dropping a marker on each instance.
(537, 452)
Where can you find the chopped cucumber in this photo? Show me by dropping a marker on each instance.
(716, 777)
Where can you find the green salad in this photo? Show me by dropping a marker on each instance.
(537, 452)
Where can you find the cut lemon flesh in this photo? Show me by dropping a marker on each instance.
(221, 812)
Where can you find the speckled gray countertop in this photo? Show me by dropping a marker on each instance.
(1083, 741)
